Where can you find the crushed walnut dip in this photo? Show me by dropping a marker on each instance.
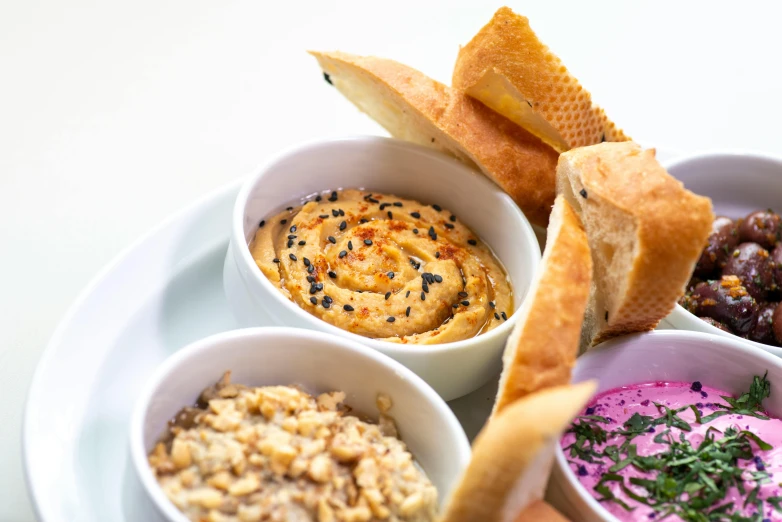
(276, 453)
(384, 267)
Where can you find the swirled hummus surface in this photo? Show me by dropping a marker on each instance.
(384, 267)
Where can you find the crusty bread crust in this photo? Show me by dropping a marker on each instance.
(511, 71)
(540, 511)
(543, 346)
(413, 107)
(513, 454)
(645, 232)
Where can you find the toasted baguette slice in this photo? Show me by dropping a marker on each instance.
(513, 454)
(540, 511)
(543, 347)
(413, 107)
(645, 231)
(507, 68)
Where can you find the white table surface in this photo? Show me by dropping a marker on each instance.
(114, 115)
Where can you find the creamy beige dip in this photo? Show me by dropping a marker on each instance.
(384, 267)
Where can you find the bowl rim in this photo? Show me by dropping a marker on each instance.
(749, 353)
(682, 314)
(197, 349)
(527, 241)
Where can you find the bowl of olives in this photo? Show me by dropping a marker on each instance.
(736, 287)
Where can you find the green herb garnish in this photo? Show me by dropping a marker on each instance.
(686, 481)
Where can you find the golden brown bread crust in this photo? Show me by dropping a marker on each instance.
(627, 193)
(414, 107)
(512, 456)
(542, 349)
(510, 70)
(540, 511)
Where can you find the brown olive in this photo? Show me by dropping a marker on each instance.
(725, 302)
(776, 264)
(763, 331)
(716, 324)
(777, 323)
(750, 263)
(722, 240)
(762, 227)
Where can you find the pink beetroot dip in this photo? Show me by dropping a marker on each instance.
(618, 405)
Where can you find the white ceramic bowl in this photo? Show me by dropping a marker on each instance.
(396, 167)
(668, 355)
(320, 363)
(737, 183)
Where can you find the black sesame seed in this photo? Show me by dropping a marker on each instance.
(262, 223)
(465, 303)
(416, 215)
(324, 216)
(696, 386)
(276, 260)
(432, 233)
(452, 218)
(448, 225)
(456, 305)
(407, 312)
(347, 308)
(438, 208)
(390, 215)
(372, 200)
(306, 262)
(318, 198)
(310, 279)
(388, 294)
(491, 303)
(384, 205)
(368, 242)
(343, 253)
(391, 319)
(583, 193)
(333, 196)
(289, 209)
(283, 221)
(390, 275)
(310, 269)
(423, 296)
(425, 287)
(327, 78)
(302, 243)
(437, 255)
(314, 300)
(438, 278)
(429, 277)
(293, 258)
(293, 228)
(325, 304)
(363, 220)
(292, 236)
(504, 317)
(463, 294)
(397, 203)
(334, 212)
(496, 316)
(313, 289)
(290, 243)
(350, 245)
(415, 231)
(341, 212)
(328, 299)
(343, 225)
(332, 240)
(407, 294)
(332, 274)
(472, 242)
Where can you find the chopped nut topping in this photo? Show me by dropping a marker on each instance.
(278, 453)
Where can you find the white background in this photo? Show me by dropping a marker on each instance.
(113, 115)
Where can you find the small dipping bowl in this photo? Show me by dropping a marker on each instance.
(319, 363)
(388, 166)
(738, 184)
(668, 355)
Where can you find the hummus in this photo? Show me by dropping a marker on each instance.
(384, 267)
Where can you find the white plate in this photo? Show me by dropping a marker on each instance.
(160, 294)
